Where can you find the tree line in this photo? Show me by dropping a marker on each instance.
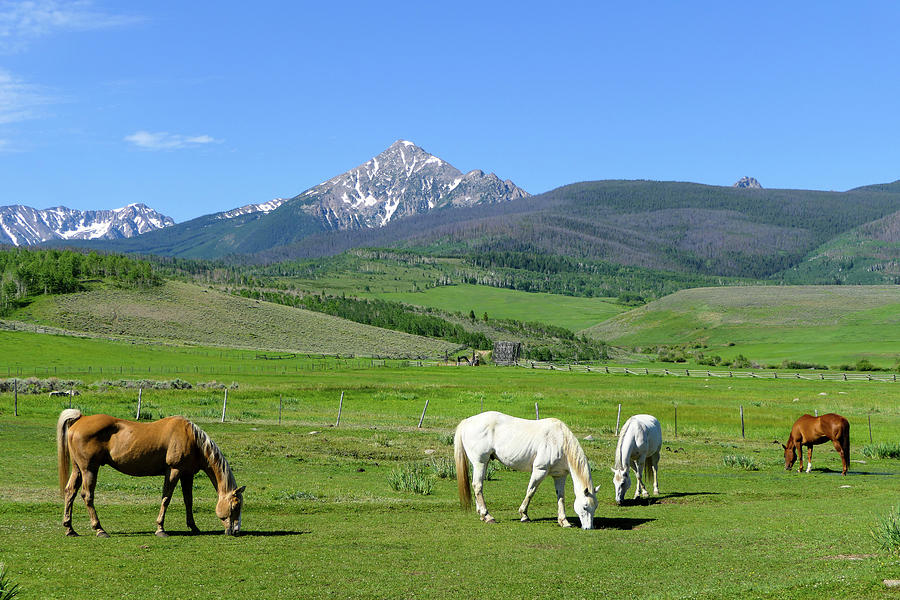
(26, 272)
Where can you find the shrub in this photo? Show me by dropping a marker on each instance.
(446, 439)
(411, 477)
(298, 495)
(796, 364)
(741, 362)
(881, 450)
(887, 532)
(739, 461)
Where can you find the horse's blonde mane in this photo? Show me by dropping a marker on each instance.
(577, 459)
(213, 455)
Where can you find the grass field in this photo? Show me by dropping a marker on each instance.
(321, 521)
(823, 324)
(184, 313)
(570, 312)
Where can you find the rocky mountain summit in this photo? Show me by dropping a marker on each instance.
(748, 182)
(403, 180)
(26, 226)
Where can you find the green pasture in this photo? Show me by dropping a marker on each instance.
(570, 312)
(830, 325)
(321, 521)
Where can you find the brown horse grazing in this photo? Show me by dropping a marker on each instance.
(809, 431)
(173, 447)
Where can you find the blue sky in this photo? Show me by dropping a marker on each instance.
(196, 107)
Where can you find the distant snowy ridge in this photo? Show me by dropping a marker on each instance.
(265, 207)
(26, 226)
(402, 181)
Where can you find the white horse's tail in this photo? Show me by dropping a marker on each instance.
(462, 470)
(66, 418)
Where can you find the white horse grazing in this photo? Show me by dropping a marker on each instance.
(639, 443)
(544, 447)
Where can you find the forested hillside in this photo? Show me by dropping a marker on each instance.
(26, 272)
(671, 226)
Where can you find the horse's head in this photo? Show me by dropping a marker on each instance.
(228, 509)
(585, 506)
(790, 456)
(621, 483)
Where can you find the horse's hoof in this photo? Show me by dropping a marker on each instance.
(490, 520)
(71, 533)
(565, 523)
(102, 534)
(161, 533)
(524, 519)
(195, 530)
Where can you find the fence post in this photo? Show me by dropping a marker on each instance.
(340, 408)
(817, 412)
(742, 421)
(422, 418)
(16, 388)
(138, 416)
(618, 415)
(537, 415)
(870, 427)
(224, 404)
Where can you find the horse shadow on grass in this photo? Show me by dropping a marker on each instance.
(827, 471)
(243, 533)
(663, 497)
(621, 523)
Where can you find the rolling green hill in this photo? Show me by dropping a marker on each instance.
(184, 313)
(564, 311)
(821, 324)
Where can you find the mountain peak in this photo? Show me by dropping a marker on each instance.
(748, 182)
(403, 180)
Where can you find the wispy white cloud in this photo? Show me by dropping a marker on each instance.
(23, 21)
(19, 100)
(163, 140)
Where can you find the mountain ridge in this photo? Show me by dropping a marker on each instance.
(24, 225)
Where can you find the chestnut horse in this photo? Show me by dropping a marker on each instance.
(173, 447)
(809, 431)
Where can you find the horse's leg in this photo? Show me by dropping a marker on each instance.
(478, 471)
(537, 476)
(639, 489)
(808, 458)
(187, 490)
(70, 491)
(87, 493)
(654, 466)
(171, 479)
(560, 483)
(845, 459)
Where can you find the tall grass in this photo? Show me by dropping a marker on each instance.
(740, 461)
(887, 531)
(411, 477)
(881, 450)
(8, 589)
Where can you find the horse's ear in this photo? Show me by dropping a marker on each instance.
(783, 446)
(596, 489)
(240, 490)
(611, 469)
